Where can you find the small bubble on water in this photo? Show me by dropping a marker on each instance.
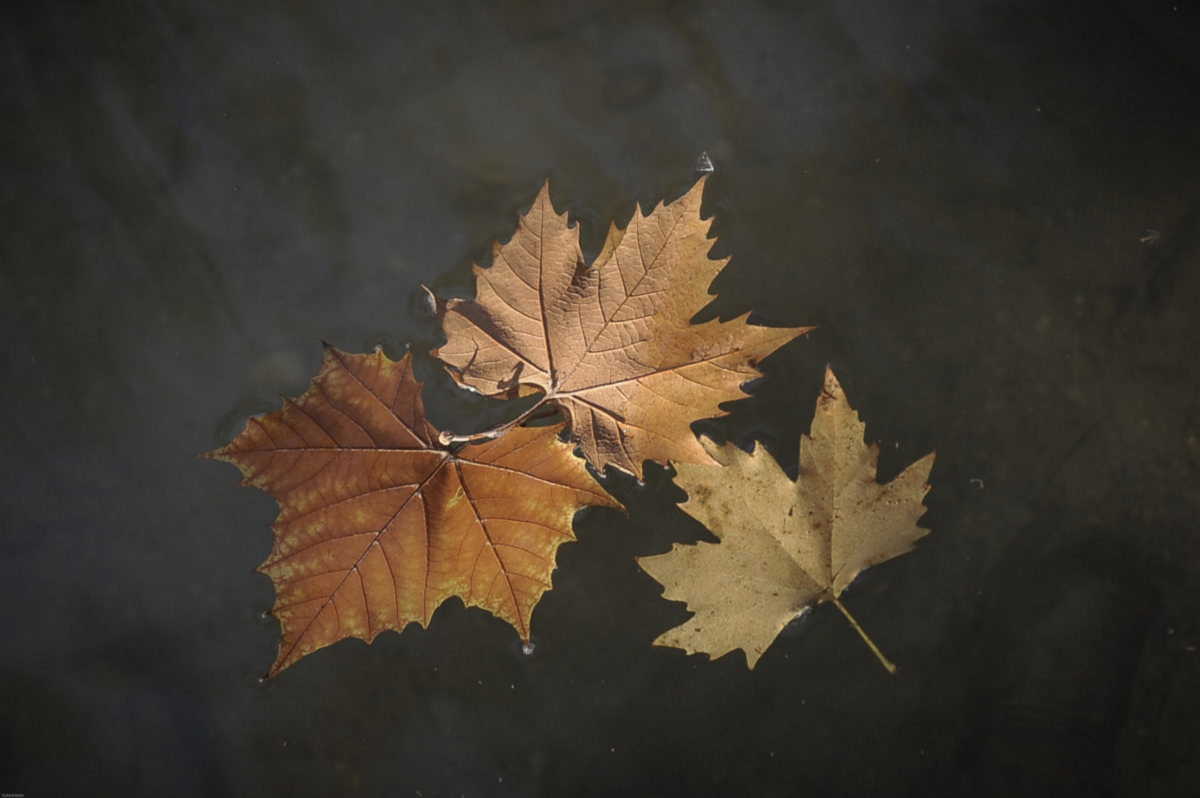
(527, 647)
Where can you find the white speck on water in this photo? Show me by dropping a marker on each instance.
(528, 647)
(704, 163)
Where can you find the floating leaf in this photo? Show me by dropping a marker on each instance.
(786, 545)
(612, 344)
(378, 524)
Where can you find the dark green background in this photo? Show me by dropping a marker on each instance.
(194, 196)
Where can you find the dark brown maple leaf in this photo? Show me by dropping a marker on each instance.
(378, 525)
(613, 343)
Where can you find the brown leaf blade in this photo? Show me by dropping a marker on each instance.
(612, 344)
(785, 545)
(378, 526)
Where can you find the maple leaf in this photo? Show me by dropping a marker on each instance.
(378, 524)
(611, 344)
(786, 545)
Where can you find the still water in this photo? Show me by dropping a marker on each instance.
(990, 215)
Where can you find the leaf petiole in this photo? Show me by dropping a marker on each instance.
(887, 663)
(446, 438)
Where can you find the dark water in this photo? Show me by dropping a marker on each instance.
(992, 212)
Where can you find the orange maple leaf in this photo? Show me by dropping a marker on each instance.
(378, 524)
(611, 344)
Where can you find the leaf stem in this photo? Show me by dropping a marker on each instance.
(446, 437)
(884, 661)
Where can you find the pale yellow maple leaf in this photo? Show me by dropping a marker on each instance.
(784, 545)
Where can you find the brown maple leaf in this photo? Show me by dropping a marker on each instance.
(378, 524)
(612, 344)
(786, 545)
